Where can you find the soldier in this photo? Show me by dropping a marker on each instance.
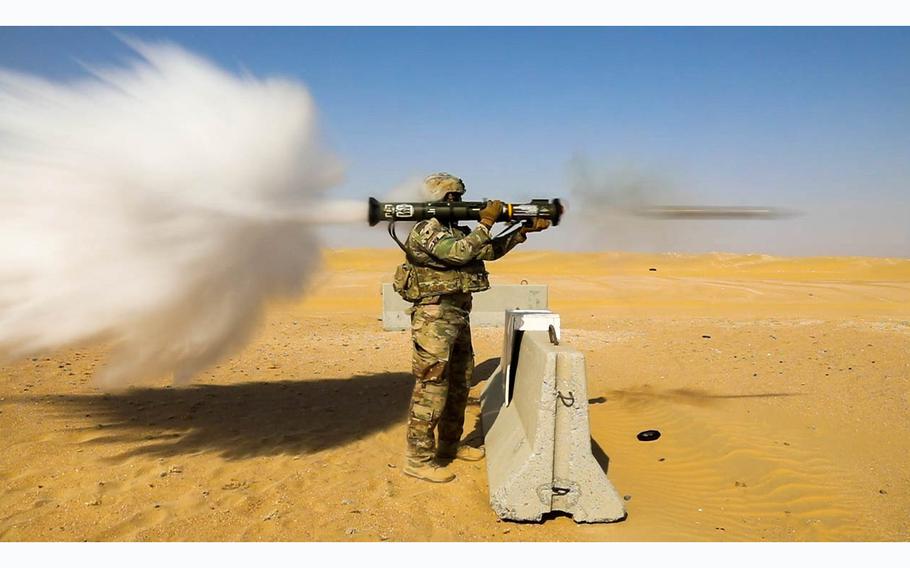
(445, 264)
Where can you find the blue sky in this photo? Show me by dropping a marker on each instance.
(816, 119)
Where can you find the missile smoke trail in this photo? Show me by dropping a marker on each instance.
(735, 212)
(156, 207)
(628, 208)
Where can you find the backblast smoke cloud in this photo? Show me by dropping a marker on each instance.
(155, 207)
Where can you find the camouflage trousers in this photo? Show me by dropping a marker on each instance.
(442, 362)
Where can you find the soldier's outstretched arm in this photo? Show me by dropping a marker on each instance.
(498, 247)
(459, 251)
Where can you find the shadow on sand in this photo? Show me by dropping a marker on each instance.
(484, 371)
(247, 419)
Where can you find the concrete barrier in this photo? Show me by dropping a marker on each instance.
(537, 435)
(516, 323)
(488, 306)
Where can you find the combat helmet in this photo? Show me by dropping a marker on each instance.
(439, 184)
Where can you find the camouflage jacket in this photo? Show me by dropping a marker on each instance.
(449, 259)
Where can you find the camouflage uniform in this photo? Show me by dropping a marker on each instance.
(447, 264)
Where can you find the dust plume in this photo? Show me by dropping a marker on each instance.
(601, 205)
(411, 190)
(156, 207)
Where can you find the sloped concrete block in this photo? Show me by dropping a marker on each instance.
(580, 486)
(487, 311)
(499, 385)
(538, 440)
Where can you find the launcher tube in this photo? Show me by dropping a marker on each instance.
(447, 211)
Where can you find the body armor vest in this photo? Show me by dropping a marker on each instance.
(424, 276)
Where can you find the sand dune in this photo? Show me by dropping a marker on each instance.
(780, 387)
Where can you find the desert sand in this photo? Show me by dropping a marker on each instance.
(781, 387)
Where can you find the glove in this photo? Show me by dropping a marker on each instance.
(536, 226)
(490, 213)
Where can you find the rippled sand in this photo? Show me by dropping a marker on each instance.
(781, 388)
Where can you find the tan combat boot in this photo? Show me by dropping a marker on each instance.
(466, 453)
(428, 472)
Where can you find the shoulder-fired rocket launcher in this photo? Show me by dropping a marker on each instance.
(447, 211)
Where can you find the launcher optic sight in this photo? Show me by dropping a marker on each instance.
(447, 211)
